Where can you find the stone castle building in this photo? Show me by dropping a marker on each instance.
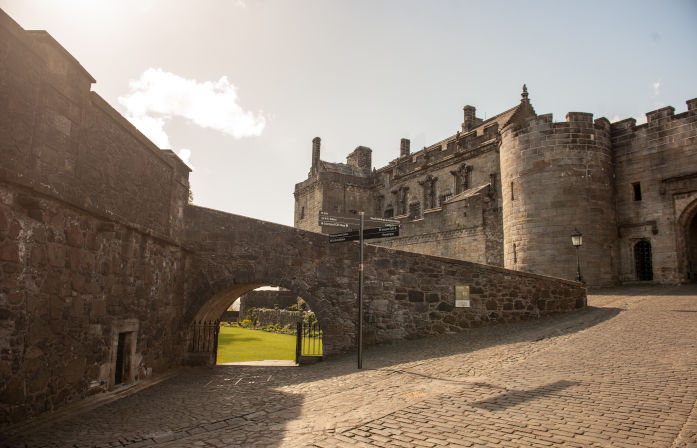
(509, 191)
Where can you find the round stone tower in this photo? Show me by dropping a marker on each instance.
(555, 178)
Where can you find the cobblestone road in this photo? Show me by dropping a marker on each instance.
(622, 373)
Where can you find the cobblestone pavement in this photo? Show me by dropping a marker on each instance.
(622, 373)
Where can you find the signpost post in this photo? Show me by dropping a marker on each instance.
(360, 295)
(385, 228)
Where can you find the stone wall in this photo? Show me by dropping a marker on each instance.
(71, 282)
(661, 157)
(90, 224)
(406, 294)
(454, 230)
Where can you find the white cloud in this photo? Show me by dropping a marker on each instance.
(157, 96)
(152, 127)
(615, 119)
(185, 155)
(656, 87)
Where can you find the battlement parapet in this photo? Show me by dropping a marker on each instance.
(659, 116)
(575, 117)
(692, 105)
(657, 121)
(578, 125)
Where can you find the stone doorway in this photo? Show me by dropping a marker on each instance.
(642, 261)
(691, 249)
(123, 360)
(255, 323)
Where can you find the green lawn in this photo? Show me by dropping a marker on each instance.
(240, 344)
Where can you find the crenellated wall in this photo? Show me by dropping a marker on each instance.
(558, 177)
(660, 157)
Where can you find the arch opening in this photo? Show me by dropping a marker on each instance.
(686, 243)
(691, 248)
(264, 328)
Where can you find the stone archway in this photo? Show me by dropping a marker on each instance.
(686, 235)
(211, 309)
(691, 248)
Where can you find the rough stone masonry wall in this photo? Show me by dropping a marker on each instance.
(556, 177)
(406, 294)
(661, 156)
(71, 281)
(90, 218)
(412, 295)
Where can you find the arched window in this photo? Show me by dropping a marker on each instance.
(642, 261)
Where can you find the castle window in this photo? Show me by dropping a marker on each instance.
(429, 187)
(515, 255)
(512, 193)
(444, 197)
(401, 199)
(463, 178)
(415, 210)
(302, 212)
(379, 201)
(389, 211)
(637, 191)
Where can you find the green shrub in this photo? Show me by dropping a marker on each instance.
(310, 318)
(246, 323)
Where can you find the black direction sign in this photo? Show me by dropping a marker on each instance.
(352, 221)
(354, 235)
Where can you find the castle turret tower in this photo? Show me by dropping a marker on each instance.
(558, 177)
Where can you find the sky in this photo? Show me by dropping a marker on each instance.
(239, 88)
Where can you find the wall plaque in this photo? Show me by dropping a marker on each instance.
(462, 296)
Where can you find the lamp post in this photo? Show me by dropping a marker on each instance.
(577, 240)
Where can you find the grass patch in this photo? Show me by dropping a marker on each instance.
(241, 344)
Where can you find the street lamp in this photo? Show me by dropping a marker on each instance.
(577, 240)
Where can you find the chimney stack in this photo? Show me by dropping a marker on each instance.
(315, 153)
(469, 118)
(404, 147)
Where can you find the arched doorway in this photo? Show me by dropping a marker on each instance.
(691, 248)
(642, 261)
(264, 330)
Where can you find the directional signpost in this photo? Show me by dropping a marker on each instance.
(354, 226)
(378, 232)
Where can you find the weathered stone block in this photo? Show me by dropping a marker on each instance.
(416, 296)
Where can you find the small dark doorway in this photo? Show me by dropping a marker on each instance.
(642, 261)
(691, 244)
(118, 374)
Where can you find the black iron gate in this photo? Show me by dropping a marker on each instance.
(204, 336)
(308, 340)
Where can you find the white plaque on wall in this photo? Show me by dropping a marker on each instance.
(462, 296)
